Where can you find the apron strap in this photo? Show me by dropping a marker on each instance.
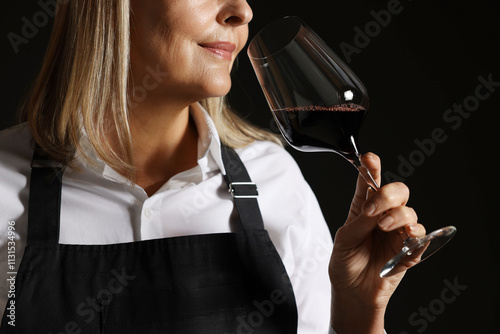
(243, 190)
(45, 195)
(45, 199)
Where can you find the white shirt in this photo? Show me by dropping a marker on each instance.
(99, 206)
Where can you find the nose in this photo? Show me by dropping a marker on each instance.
(235, 12)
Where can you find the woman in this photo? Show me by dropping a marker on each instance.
(124, 224)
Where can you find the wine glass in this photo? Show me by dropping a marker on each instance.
(319, 104)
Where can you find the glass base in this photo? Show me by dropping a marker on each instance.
(415, 250)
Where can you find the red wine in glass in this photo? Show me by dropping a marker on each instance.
(316, 128)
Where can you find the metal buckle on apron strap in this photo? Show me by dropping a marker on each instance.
(243, 190)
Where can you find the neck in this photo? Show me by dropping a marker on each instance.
(165, 143)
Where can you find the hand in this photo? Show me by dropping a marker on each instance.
(368, 239)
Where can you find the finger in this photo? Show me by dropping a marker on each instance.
(369, 193)
(355, 232)
(397, 217)
(415, 230)
(372, 162)
(388, 197)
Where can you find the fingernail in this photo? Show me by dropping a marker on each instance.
(370, 208)
(369, 192)
(413, 228)
(368, 155)
(386, 222)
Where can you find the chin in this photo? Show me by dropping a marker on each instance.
(218, 88)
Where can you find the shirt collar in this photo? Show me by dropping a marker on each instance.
(209, 153)
(209, 144)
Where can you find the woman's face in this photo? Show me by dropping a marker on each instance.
(186, 48)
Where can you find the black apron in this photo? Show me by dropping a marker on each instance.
(212, 283)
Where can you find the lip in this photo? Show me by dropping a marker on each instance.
(223, 50)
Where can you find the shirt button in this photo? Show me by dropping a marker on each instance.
(148, 213)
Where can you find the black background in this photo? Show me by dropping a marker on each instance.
(427, 59)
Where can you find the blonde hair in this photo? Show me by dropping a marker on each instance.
(82, 86)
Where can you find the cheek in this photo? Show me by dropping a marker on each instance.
(168, 50)
(243, 36)
(173, 51)
(212, 78)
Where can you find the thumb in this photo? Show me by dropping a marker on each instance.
(369, 193)
(370, 163)
(358, 228)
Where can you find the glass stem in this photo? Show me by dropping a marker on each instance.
(367, 176)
